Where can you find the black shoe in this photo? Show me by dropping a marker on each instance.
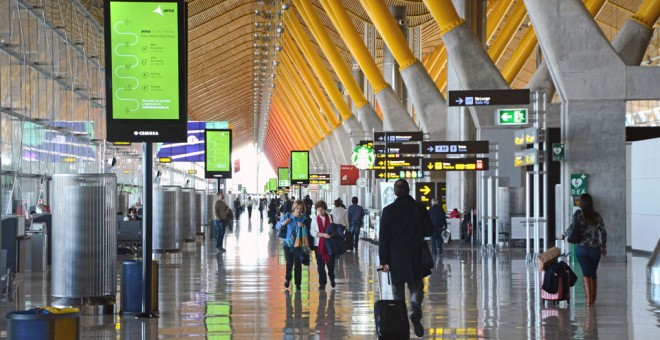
(419, 329)
(322, 287)
(332, 283)
(298, 287)
(287, 283)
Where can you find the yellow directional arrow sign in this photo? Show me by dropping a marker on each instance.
(425, 190)
(430, 166)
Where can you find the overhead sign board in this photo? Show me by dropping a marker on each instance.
(398, 162)
(391, 137)
(300, 167)
(525, 157)
(146, 64)
(363, 157)
(454, 148)
(455, 164)
(396, 148)
(397, 174)
(511, 116)
(192, 172)
(578, 184)
(425, 191)
(272, 184)
(488, 97)
(319, 178)
(526, 136)
(217, 163)
(283, 177)
(368, 143)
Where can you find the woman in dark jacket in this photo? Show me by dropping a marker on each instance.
(593, 244)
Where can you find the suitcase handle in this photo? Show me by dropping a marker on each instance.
(380, 284)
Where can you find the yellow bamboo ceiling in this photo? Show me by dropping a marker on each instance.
(221, 38)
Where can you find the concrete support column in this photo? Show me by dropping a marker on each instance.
(366, 114)
(390, 66)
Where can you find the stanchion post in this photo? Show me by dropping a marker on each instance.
(147, 230)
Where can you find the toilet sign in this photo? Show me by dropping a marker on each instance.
(578, 184)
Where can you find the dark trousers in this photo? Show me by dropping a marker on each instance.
(589, 258)
(354, 232)
(219, 230)
(416, 289)
(292, 263)
(323, 276)
(436, 244)
(249, 212)
(261, 214)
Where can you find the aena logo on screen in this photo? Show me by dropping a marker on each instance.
(146, 133)
(161, 11)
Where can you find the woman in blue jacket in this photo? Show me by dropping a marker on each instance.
(291, 221)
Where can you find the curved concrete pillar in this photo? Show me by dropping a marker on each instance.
(340, 143)
(354, 131)
(395, 116)
(631, 42)
(429, 103)
(369, 119)
(542, 81)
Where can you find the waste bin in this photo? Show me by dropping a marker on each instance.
(44, 323)
(131, 287)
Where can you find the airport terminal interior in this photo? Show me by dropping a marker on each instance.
(123, 123)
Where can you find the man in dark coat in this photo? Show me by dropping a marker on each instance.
(403, 226)
(439, 221)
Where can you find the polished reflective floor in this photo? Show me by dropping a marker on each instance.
(240, 294)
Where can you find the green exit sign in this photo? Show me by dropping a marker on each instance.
(511, 117)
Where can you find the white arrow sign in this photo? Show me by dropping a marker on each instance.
(459, 101)
(430, 148)
(506, 116)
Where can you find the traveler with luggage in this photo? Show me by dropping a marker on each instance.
(587, 230)
(403, 226)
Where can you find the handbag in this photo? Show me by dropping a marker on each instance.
(282, 229)
(575, 236)
(427, 258)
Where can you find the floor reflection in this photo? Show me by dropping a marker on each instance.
(239, 294)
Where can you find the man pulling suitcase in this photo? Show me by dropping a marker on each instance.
(403, 226)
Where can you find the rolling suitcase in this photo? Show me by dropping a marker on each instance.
(391, 317)
(563, 293)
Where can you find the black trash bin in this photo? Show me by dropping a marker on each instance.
(131, 287)
(44, 323)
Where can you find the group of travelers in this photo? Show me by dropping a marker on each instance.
(404, 225)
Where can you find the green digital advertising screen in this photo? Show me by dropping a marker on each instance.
(146, 53)
(272, 184)
(217, 148)
(283, 177)
(300, 167)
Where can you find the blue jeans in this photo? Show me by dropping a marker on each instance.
(588, 257)
(219, 231)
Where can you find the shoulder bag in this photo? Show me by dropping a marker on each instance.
(427, 258)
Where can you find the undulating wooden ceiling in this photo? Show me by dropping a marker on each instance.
(221, 52)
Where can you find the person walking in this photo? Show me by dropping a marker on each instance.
(355, 218)
(593, 244)
(403, 226)
(237, 208)
(439, 220)
(291, 221)
(249, 204)
(272, 212)
(340, 216)
(220, 222)
(323, 257)
(262, 206)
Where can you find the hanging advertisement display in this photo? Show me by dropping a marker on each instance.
(218, 153)
(146, 63)
(299, 167)
(283, 177)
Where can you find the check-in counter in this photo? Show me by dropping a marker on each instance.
(129, 232)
